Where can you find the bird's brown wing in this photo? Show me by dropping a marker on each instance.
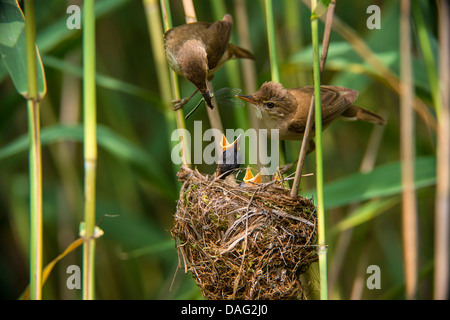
(334, 101)
(174, 38)
(216, 39)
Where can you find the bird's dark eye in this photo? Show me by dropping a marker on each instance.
(270, 105)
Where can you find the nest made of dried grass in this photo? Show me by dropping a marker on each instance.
(244, 242)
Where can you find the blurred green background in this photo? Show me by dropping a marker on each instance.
(137, 188)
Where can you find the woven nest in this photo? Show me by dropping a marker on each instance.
(244, 242)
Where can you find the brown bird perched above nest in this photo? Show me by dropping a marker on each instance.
(244, 242)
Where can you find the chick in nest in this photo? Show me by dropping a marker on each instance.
(250, 180)
(230, 159)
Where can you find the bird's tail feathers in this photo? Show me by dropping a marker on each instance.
(358, 113)
(239, 53)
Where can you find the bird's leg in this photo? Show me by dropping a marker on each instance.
(177, 104)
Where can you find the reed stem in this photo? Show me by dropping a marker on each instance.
(274, 70)
(323, 59)
(176, 92)
(90, 148)
(232, 67)
(407, 154)
(271, 41)
(427, 52)
(319, 158)
(442, 200)
(35, 160)
(162, 69)
(213, 114)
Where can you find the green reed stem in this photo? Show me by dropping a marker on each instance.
(35, 160)
(155, 28)
(319, 158)
(271, 41)
(90, 148)
(232, 67)
(275, 72)
(407, 154)
(176, 92)
(427, 52)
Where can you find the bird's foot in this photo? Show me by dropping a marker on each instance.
(178, 104)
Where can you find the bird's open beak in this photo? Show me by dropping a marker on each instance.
(246, 98)
(249, 177)
(225, 145)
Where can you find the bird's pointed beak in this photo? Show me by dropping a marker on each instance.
(257, 178)
(225, 145)
(249, 177)
(246, 98)
(207, 97)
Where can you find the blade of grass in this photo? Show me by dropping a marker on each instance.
(427, 53)
(364, 213)
(90, 148)
(407, 155)
(49, 267)
(35, 159)
(319, 159)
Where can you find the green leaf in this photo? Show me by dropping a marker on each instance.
(383, 181)
(13, 49)
(364, 213)
(320, 9)
(107, 139)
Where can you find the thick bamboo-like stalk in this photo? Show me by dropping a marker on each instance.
(319, 162)
(442, 202)
(407, 154)
(90, 148)
(35, 160)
